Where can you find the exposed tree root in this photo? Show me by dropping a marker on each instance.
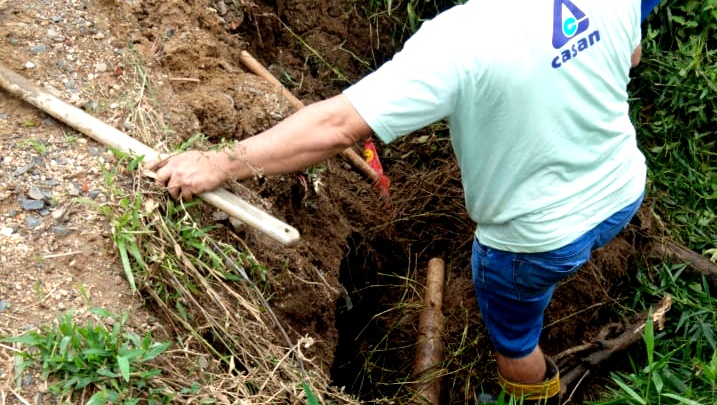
(577, 362)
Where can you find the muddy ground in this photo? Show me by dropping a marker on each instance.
(353, 282)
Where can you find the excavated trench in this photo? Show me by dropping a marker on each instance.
(378, 256)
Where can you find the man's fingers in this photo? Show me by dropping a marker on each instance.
(186, 194)
(155, 162)
(174, 190)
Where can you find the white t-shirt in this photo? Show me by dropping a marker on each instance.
(534, 92)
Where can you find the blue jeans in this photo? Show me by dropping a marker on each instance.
(514, 289)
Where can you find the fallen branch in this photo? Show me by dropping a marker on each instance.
(668, 250)
(575, 363)
(101, 132)
(429, 349)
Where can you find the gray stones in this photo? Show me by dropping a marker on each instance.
(38, 49)
(61, 230)
(30, 204)
(36, 194)
(33, 221)
(24, 169)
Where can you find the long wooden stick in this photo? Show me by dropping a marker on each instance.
(429, 349)
(101, 132)
(258, 69)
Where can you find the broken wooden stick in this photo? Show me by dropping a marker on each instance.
(429, 349)
(101, 132)
(668, 250)
(577, 362)
(353, 158)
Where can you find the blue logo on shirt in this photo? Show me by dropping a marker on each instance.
(569, 22)
(567, 25)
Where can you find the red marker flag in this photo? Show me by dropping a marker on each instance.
(371, 157)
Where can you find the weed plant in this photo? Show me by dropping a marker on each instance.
(111, 363)
(679, 365)
(674, 101)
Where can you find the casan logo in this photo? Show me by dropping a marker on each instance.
(568, 22)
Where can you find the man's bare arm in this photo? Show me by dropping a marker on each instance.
(310, 136)
(636, 55)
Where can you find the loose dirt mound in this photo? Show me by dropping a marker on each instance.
(354, 281)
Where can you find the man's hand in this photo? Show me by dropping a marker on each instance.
(189, 173)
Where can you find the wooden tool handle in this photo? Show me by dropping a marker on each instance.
(258, 69)
(101, 132)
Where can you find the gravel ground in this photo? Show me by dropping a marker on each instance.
(56, 251)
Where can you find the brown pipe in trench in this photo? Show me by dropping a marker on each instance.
(429, 349)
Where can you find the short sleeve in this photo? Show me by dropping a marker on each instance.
(646, 8)
(417, 87)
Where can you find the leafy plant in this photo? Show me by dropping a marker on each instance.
(39, 147)
(681, 361)
(110, 362)
(674, 93)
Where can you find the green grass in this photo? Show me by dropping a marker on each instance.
(111, 364)
(674, 103)
(679, 365)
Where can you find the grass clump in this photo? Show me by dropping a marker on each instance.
(112, 364)
(679, 363)
(674, 103)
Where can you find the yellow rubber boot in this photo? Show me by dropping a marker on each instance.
(544, 393)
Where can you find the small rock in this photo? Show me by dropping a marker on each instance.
(57, 18)
(36, 194)
(4, 305)
(90, 106)
(32, 221)
(7, 232)
(61, 230)
(24, 169)
(101, 67)
(53, 35)
(94, 193)
(94, 151)
(73, 190)
(38, 49)
(27, 380)
(238, 225)
(221, 8)
(219, 216)
(30, 204)
(29, 65)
